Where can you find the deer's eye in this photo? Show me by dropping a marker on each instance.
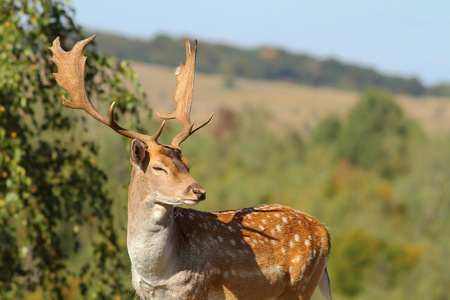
(156, 168)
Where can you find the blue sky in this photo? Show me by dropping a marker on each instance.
(397, 37)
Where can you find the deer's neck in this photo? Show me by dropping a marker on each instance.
(152, 241)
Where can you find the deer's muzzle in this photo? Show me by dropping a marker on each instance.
(197, 190)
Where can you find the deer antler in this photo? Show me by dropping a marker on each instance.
(70, 76)
(183, 98)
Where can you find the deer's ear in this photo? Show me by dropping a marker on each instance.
(137, 154)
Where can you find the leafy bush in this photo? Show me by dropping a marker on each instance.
(377, 135)
(53, 207)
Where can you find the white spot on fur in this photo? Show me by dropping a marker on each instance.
(279, 228)
(233, 242)
(285, 220)
(297, 238)
(283, 250)
(296, 260)
(230, 253)
(245, 252)
(291, 244)
(276, 269)
(307, 243)
(261, 227)
(247, 274)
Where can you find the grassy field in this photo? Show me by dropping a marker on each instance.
(297, 105)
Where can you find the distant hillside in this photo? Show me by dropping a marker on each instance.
(264, 63)
(286, 105)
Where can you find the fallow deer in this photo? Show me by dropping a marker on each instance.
(262, 252)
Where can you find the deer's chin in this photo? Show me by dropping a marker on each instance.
(191, 201)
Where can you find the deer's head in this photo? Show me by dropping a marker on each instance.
(160, 172)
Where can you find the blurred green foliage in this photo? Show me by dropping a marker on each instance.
(376, 134)
(57, 232)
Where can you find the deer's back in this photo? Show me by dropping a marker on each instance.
(263, 252)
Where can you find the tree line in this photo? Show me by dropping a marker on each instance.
(266, 63)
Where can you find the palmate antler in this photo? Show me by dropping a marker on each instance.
(183, 98)
(71, 73)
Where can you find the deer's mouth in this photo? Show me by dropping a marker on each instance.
(192, 201)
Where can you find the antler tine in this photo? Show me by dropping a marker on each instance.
(183, 97)
(70, 76)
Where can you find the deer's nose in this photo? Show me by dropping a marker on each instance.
(199, 192)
